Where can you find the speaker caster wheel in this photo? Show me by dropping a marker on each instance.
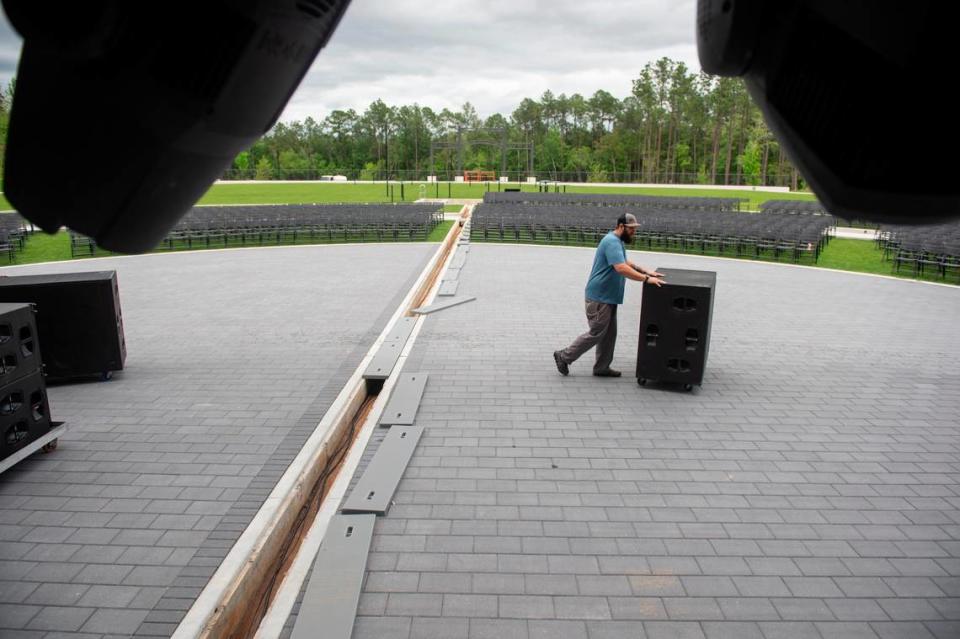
(688, 387)
(642, 381)
(50, 446)
(106, 376)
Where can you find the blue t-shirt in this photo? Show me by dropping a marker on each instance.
(605, 284)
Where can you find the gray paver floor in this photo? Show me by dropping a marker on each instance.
(809, 489)
(229, 355)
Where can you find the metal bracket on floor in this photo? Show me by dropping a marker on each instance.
(382, 363)
(439, 306)
(329, 607)
(374, 492)
(404, 400)
(448, 288)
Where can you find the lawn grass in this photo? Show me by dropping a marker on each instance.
(41, 247)
(755, 198)
(348, 192)
(862, 256)
(440, 232)
(326, 192)
(859, 256)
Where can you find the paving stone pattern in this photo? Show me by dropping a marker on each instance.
(808, 489)
(233, 357)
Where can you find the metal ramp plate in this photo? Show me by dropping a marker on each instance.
(329, 606)
(458, 260)
(452, 273)
(448, 288)
(439, 306)
(405, 400)
(374, 491)
(383, 361)
(401, 330)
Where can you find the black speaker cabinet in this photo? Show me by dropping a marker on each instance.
(24, 413)
(78, 320)
(19, 346)
(675, 327)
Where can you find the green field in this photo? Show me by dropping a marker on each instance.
(53, 248)
(845, 254)
(440, 232)
(45, 248)
(862, 256)
(859, 256)
(326, 192)
(322, 192)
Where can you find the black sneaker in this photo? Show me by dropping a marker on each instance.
(608, 373)
(561, 365)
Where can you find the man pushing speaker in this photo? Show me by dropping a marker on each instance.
(604, 293)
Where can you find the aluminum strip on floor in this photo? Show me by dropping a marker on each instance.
(440, 305)
(329, 606)
(451, 273)
(448, 288)
(374, 492)
(382, 363)
(401, 330)
(405, 400)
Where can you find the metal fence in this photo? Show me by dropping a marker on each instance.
(783, 180)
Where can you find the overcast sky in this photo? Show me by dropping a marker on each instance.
(492, 53)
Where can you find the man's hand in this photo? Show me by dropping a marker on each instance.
(645, 270)
(656, 281)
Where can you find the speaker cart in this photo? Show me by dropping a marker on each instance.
(675, 328)
(45, 444)
(25, 425)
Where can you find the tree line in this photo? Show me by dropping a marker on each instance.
(675, 126)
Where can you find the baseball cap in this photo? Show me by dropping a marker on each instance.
(627, 219)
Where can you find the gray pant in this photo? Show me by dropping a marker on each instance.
(602, 320)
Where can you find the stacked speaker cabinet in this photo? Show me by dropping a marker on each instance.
(675, 328)
(79, 320)
(24, 411)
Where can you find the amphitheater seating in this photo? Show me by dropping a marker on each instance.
(922, 249)
(13, 234)
(793, 207)
(701, 230)
(614, 199)
(222, 226)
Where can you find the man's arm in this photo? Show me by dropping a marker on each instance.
(644, 269)
(631, 272)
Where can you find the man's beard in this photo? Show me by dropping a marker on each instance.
(628, 238)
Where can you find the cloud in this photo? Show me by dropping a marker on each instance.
(491, 54)
(9, 50)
